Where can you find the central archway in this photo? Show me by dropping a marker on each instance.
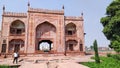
(45, 37)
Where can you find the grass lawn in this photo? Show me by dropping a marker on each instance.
(106, 62)
(7, 66)
(4, 66)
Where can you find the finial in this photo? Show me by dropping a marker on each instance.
(82, 14)
(63, 7)
(28, 4)
(84, 33)
(3, 7)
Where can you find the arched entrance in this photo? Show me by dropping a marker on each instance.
(16, 45)
(71, 45)
(45, 32)
(45, 45)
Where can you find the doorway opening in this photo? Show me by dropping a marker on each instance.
(17, 48)
(45, 45)
(3, 48)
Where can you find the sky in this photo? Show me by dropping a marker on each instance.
(93, 10)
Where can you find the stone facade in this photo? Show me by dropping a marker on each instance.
(0, 40)
(29, 32)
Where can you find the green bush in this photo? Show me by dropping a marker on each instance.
(117, 56)
(109, 55)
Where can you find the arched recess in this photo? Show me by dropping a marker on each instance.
(70, 45)
(16, 45)
(81, 45)
(17, 27)
(70, 29)
(46, 31)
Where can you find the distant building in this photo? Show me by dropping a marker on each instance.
(99, 49)
(40, 31)
(103, 48)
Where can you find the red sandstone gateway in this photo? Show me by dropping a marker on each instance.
(41, 31)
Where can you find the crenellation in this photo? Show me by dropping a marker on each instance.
(11, 14)
(74, 18)
(61, 12)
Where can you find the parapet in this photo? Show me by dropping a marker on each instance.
(14, 14)
(37, 10)
(74, 18)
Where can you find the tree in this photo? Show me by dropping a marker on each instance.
(97, 59)
(111, 24)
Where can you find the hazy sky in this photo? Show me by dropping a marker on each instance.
(93, 10)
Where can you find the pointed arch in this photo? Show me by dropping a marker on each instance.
(70, 29)
(45, 28)
(17, 27)
(45, 22)
(16, 45)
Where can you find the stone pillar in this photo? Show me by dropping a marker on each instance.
(31, 41)
(61, 35)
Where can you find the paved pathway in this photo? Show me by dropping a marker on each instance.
(49, 62)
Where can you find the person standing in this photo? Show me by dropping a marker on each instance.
(15, 57)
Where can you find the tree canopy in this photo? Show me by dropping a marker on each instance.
(111, 24)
